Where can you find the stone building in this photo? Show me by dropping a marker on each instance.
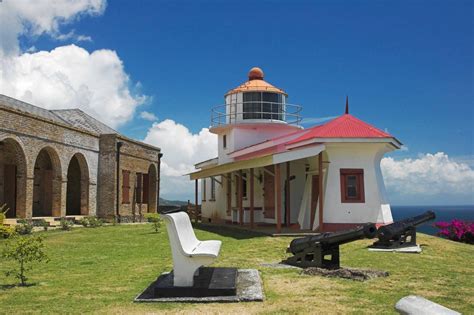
(56, 163)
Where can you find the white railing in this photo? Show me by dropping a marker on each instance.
(244, 112)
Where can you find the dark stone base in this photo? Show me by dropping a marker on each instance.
(248, 288)
(209, 282)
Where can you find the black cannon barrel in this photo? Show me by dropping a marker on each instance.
(367, 230)
(391, 231)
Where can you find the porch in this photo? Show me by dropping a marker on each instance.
(273, 194)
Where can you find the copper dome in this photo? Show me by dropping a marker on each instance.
(256, 84)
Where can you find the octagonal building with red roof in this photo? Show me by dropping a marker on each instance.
(272, 174)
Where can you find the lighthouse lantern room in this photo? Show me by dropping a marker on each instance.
(253, 112)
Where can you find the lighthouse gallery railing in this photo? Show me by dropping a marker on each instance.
(247, 112)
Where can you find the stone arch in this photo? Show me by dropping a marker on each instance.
(47, 183)
(152, 188)
(13, 171)
(77, 189)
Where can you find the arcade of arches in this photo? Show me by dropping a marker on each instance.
(66, 163)
(48, 184)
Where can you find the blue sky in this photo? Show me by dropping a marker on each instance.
(407, 66)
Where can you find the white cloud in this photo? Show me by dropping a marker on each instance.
(428, 175)
(72, 35)
(71, 77)
(67, 76)
(34, 18)
(182, 149)
(148, 116)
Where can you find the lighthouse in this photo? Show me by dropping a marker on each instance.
(272, 173)
(253, 112)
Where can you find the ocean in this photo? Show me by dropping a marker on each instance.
(443, 213)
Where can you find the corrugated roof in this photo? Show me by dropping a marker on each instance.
(28, 108)
(73, 117)
(345, 126)
(79, 119)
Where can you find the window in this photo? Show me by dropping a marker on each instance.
(262, 105)
(125, 186)
(138, 188)
(224, 141)
(213, 189)
(145, 189)
(352, 185)
(203, 189)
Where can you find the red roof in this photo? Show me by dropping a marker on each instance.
(345, 126)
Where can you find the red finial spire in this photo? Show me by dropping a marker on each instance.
(347, 104)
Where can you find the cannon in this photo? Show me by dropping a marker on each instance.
(311, 251)
(401, 234)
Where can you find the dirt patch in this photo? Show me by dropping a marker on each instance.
(346, 273)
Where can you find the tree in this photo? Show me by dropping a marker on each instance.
(24, 250)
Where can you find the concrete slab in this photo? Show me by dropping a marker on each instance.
(249, 289)
(417, 305)
(412, 249)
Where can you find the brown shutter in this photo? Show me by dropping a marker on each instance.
(125, 186)
(145, 188)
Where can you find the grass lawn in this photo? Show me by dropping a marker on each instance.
(101, 270)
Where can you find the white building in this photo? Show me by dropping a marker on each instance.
(271, 171)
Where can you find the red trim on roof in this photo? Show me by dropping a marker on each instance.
(345, 126)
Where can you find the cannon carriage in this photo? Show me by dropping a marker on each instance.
(401, 234)
(313, 251)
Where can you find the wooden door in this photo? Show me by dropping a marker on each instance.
(9, 190)
(269, 193)
(314, 197)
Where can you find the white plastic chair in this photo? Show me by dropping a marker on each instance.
(188, 252)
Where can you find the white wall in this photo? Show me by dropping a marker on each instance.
(364, 156)
(212, 209)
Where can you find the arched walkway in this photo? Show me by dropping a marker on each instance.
(13, 178)
(152, 189)
(47, 184)
(77, 195)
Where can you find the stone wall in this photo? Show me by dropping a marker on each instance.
(23, 136)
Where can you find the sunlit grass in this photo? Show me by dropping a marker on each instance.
(101, 270)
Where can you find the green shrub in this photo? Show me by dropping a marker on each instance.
(65, 224)
(3, 211)
(155, 219)
(7, 231)
(91, 222)
(42, 223)
(24, 250)
(84, 222)
(23, 227)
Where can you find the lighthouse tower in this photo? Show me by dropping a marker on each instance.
(253, 112)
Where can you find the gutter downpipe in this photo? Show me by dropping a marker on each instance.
(160, 155)
(117, 205)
